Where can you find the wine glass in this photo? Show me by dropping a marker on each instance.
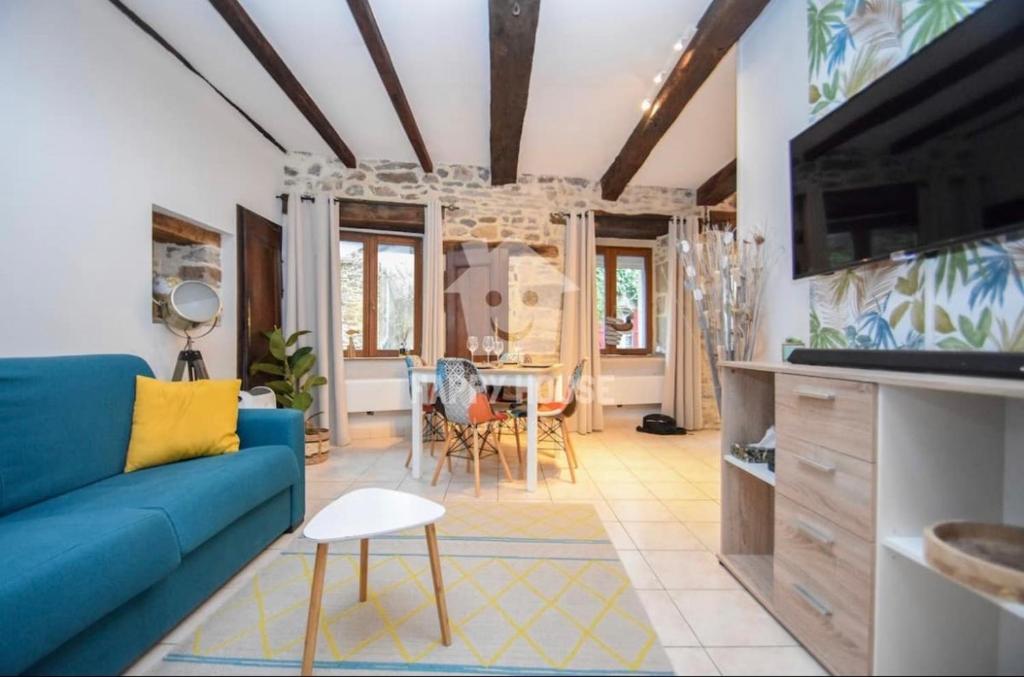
(488, 346)
(499, 348)
(472, 343)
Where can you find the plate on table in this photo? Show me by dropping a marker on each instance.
(534, 365)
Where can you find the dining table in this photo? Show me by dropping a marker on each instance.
(527, 377)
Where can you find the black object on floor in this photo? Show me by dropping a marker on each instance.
(660, 424)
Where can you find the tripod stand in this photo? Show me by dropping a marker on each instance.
(191, 359)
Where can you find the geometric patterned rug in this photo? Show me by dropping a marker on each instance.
(533, 589)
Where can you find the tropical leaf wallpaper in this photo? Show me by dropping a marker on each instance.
(967, 298)
(854, 42)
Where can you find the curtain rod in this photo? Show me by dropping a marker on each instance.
(337, 200)
(312, 198)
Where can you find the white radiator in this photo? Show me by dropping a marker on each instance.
(377, 394)
(624, 389)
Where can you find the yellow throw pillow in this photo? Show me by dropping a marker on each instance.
(179, 420)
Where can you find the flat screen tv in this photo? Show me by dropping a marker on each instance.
(929, 155)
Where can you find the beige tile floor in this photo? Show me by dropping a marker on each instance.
(658, 498)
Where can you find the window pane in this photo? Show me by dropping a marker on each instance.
(599, 300)
(631, 299)
(396, 296)
(352, 284)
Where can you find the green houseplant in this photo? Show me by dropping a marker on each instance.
(294, 383)
(789, 345)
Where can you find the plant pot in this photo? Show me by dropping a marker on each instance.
(318, 445)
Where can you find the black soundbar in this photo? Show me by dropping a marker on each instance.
(963, 363)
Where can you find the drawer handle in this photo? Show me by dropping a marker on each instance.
(814, 533)
(820, 607)
(815, 393)
(826, 468)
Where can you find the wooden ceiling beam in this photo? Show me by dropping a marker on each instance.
(721, 185)
(151, 32)
(513, 28)
(631, 226)
(370, 31)
(249, 33)
(717, 31)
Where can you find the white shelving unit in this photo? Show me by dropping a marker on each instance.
(945, 448)
(758, 470)
(944, 456)
(913, 549)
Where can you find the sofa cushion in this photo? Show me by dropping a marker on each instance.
(200, 497)
(62, 572)
(53, 408)
(178, 420)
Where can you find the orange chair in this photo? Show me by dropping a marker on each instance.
(551, 422)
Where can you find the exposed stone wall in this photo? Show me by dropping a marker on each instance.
(174, 263)
(475, 210)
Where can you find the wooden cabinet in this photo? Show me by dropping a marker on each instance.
(824, 516)
(838, 415)
(836, 486)
(823, 583)
(828, 557)
(830, 542)
(837, 635)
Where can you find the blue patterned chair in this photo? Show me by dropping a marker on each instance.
(467, 410)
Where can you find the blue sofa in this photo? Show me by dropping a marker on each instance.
(96, 565)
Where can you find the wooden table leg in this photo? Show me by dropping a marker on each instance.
(315, 598)
(364, 560)
(435, 571)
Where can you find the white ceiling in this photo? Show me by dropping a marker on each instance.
(593, 64)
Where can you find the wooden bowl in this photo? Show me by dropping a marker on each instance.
(986, 557)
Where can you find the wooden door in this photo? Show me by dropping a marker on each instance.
(482, 306)
(259, 290)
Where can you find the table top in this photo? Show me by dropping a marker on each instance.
(507, 370)
(977, 385)
(365, 513)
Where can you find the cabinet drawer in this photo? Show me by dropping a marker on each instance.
(839, 638)
(838, 415)
(836, 486)
(827, 557)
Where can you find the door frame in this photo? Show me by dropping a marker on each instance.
(242, 334)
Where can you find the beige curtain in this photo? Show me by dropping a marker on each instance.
(312, 300)
(433, 284)
(681, 391)
(579, 319)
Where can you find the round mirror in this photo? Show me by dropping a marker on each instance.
(195, 302)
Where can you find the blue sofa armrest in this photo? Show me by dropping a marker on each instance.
(261, 427)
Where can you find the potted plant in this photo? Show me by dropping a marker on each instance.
(294, 384)
(789, 345)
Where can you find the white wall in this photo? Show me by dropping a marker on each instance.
(771, 101)
(98, 124)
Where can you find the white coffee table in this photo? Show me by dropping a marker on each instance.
(363, 514)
